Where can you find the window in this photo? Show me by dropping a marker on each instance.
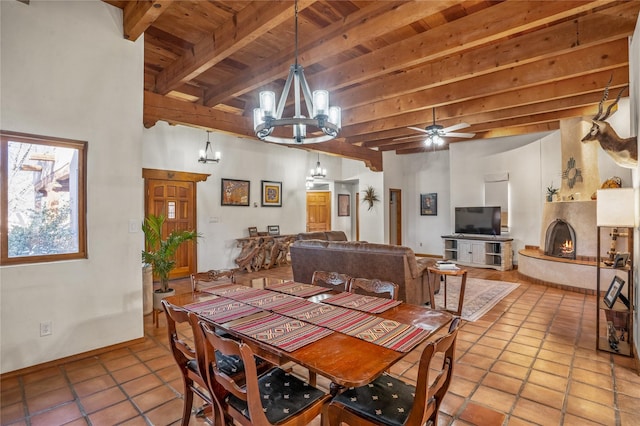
(42, 198)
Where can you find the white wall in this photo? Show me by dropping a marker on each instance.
(67, 72)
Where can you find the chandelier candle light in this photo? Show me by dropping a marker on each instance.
(324, 118)
(204, 153)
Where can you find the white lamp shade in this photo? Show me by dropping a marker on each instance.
(267, 103)
(615, 207)
(320, 102)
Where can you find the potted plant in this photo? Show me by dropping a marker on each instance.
(160, 254)
(551, 191)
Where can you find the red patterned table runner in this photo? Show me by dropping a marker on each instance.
(222, 310)
(297, 289)
(283, 332)
(374, 305)
(296, 311)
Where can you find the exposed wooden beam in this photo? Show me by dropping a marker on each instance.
(486, 26)
(369, 22)
(254, 20)
(576, 63)
(162, 108)
(555, 40)
(139, 15)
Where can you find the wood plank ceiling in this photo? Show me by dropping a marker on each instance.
(504, 67)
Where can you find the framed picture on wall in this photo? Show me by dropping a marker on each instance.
(429, 204)
(235, 192)
(344, 206)
(271, 193)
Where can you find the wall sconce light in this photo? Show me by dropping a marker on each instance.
(204, 153)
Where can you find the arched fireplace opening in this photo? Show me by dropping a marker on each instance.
(560, 240)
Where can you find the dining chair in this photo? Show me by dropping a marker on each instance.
(374, 287)
(275, 397)
(390, 401)
(332, 280)
(185, 357)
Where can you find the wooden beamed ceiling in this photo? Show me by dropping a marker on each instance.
(504, 67)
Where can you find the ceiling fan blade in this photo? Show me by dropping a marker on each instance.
(420, 129)
(459, 135)
(455, 127)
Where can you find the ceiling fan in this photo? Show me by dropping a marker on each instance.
(436, 132)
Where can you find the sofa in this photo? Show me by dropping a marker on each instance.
(322, 235)
(364, 260)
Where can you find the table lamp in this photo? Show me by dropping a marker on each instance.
(615, 208)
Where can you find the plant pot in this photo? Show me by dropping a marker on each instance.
(158, 295)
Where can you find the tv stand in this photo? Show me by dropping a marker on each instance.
(480, 251)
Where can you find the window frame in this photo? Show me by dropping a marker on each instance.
(81, 146)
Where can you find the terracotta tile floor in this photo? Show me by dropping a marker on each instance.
(530, 360)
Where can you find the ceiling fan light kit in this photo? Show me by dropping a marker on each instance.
(436, 132)
(325, 121)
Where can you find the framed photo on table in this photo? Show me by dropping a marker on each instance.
(235, 192)
(429, 204)
(614, 291)
(273, 230)
(343, 205)
(253, 231)
(271, 193)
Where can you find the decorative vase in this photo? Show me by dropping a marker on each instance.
(158, 295)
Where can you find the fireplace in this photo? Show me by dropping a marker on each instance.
(560, 240)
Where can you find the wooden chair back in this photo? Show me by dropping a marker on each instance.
(333, 280)
(186, 358)
(374, 287)
(437, 357)
(250, 393)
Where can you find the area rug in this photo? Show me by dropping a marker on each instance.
(479, 296)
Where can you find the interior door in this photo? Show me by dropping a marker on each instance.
(175, 200)
(318, 211)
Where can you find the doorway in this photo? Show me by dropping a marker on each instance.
(173, 195)
(318, 211)
(395, 217)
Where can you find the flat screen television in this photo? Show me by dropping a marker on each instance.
(477, 220)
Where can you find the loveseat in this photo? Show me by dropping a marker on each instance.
(322, 235)
(364, 260)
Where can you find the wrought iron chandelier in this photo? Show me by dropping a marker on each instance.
(204, 153)
(324, 124)
(318, 172)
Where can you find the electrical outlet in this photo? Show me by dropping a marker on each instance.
(46, 328)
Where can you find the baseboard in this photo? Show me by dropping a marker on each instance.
(70, 358)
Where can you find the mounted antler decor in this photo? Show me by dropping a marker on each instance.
(623, 151)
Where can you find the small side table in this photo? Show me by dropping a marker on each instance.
(436, 273)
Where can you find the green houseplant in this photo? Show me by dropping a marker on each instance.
(159, 253)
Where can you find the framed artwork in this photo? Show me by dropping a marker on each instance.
(253, 231)
(271, 193)
(429, 204)
(614, 291)
(620, 261)
(235, 192)
(273, 229)
(344, 206)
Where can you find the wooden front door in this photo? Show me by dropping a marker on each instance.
(318, 211)
(173, 195)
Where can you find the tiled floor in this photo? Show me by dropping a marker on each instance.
(530, 360)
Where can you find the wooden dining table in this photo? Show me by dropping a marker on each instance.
(345, 360)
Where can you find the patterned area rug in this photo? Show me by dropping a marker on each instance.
(479, 296)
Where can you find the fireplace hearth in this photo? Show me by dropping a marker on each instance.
(560, 240)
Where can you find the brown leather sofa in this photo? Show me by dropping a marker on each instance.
(323, 235)
(397, 264)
